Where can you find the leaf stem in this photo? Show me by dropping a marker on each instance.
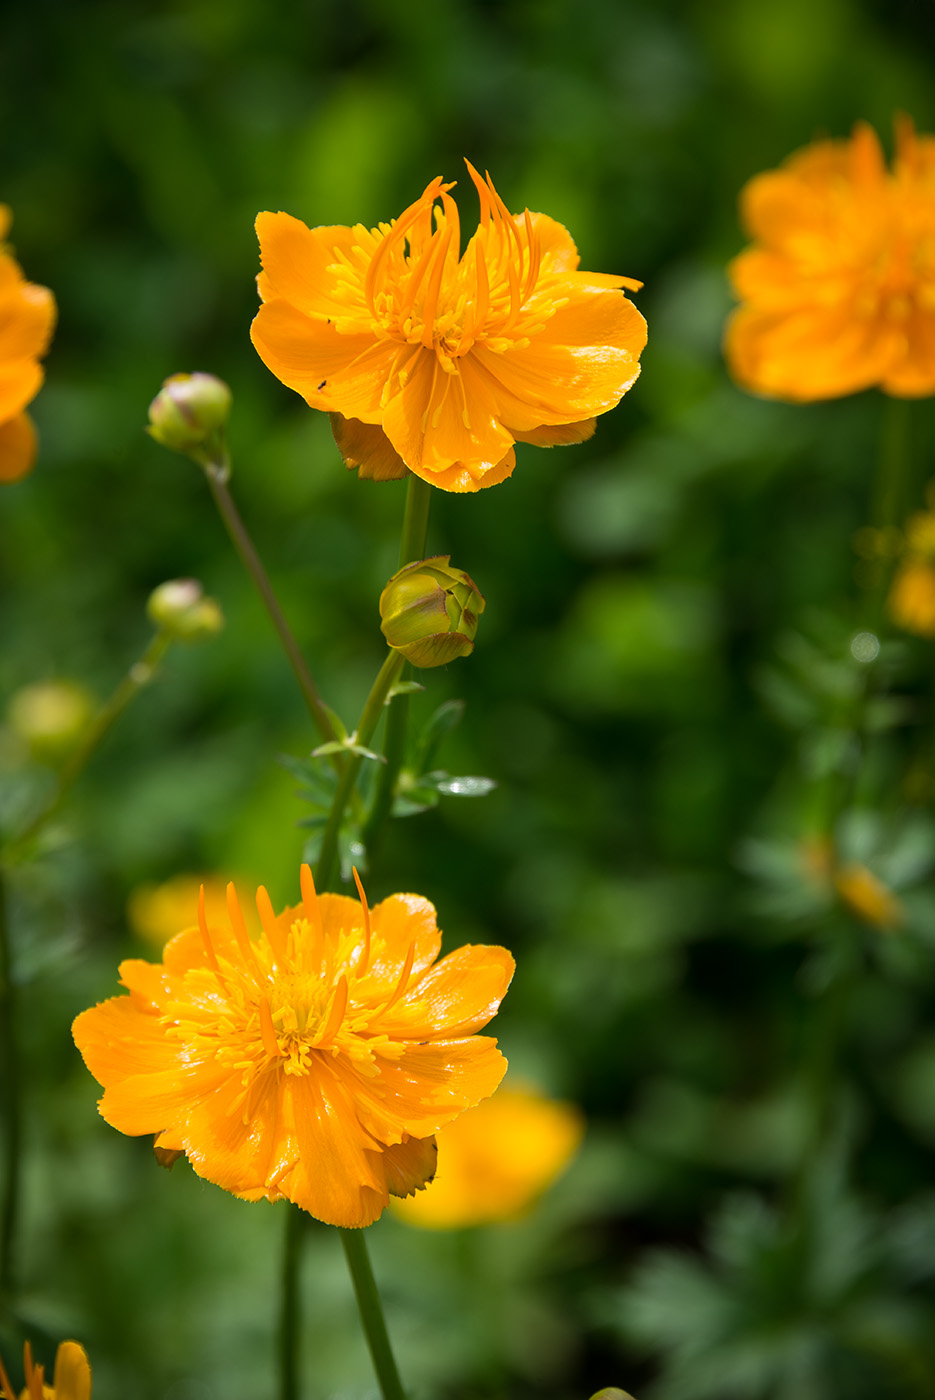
(411, 547)
(371, 1313)
(218, 474)
(12, 1116)
(370, 717)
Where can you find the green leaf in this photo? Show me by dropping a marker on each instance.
(365, 753)
(403, 688)
(461, 787)
(332, 746)
(413, 801)
(337, 722)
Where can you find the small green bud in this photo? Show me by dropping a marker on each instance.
(50, 717)
(189, 411)
(610, 1392)
(429, 612)
(180, 608)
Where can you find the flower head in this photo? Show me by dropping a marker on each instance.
(437, 362)
(838, 292)
(27, 317)
(313, 1063)
(496, 1159)
(72, 1379)
(429, 611)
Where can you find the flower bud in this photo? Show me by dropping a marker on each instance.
(50, 716)
(429, 612)
(189, 411)
(180, 608)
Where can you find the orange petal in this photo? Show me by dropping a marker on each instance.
(398, 921)
(425, 421)
(409, 1165)
(27, 319)
(456, 997)
(338, 1177)
(366, 447)
(429, 1086)
(20, 382)
(72, 1373)
(579, 364)
(17, 447)
(302, 265)
(559, 434)
(117, 1039)
(338, 373)
(460, 478)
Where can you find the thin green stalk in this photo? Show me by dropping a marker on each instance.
(217, 474)
(371, 1313)
(370, 717)
(137, 678)
(12, 1117)
(411, 547)
(289, 1305)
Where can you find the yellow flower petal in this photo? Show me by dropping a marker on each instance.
(17, 447)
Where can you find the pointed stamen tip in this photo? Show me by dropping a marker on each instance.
(268, 1030)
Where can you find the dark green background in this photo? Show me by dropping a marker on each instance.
(626, 692)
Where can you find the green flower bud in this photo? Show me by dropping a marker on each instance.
(429, 612)
(50, 717)
(189, 412)
(180, 608)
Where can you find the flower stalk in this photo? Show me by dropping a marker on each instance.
(371, 1314)
(217, 474)
(387, 676)
(11, 1089)
(411, 547)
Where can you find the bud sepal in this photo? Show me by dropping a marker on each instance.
(429, 612)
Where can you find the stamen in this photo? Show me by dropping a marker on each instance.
(274, 934)
(268, 1030)
(335, 1016)
(205, 935)
(535, 255)
(310, 900)
(7, 1389)
(239, 928)
(364, 960)
(403, 982)
(434, 287)
(483, 288)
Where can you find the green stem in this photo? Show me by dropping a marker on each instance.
(371, 1313)
(217, 474)
(411, 547)
(137, 678)
(289, 1305)
(12, 1118)
(369, 719)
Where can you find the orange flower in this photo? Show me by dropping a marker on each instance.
(911, 600)
(72, 1376)
(866, 896)
(314, 1063)
(27, 316)
(436, 362)
(839, 290)
(496, 1159)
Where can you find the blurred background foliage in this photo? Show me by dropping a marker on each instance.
(664, 688)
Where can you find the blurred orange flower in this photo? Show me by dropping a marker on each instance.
(435, 362)
(496, 1159)
(72, 1376)
(27, 318)
(911, 600)
(838, 292)
(866, 896)
(313, 1063)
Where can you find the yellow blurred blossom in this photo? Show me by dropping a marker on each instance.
(495, 1160)
(156, 912)
(27, 318)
